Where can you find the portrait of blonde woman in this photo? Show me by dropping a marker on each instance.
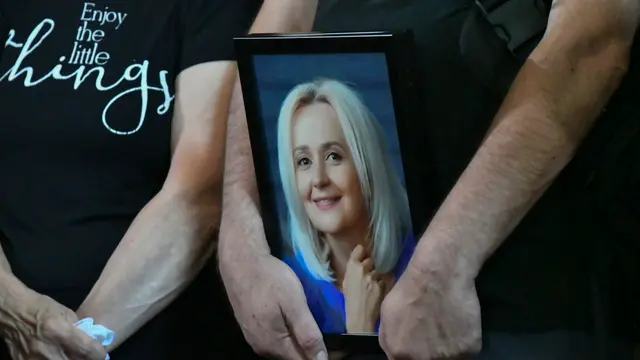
(349, 223)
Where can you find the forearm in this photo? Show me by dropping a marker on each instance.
(165, 248)
(10, 289)
(241, 230)
(13, 295)
(552, 105)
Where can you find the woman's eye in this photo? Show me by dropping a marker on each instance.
(334, 157)
(303, 162)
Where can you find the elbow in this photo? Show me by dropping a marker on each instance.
(603, 34)
(617, 64)
(598, 54)
(609, 67)
(584, 63)
(609, 55)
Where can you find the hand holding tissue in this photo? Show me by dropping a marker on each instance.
(98, 332)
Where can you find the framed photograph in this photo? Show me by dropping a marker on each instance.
(339, 183)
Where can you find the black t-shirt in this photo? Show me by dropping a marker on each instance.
(539, 279)
(86, 92)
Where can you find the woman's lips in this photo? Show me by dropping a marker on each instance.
(326, 203)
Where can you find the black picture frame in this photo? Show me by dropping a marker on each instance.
(397, 47)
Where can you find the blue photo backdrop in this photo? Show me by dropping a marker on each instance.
(277, 75)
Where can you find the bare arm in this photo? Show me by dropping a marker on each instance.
(285, 16)
(240, 217)
(241, 231)
(12, 293)
(173, 236)
(552, 105)
(282, 327)
(33, 325)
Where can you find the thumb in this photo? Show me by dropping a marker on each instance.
(77, 342)
(305, 331)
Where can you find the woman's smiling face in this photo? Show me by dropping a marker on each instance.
(326, 176)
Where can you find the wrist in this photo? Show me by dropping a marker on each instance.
(85, 311)
(237, 248)
(237, 264)
(445, 261)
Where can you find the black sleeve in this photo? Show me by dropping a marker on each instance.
(209, 27)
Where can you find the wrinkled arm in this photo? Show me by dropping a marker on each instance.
(14, 298)
(241, 232)
(552, 105)
(173, 236)
(11, 293)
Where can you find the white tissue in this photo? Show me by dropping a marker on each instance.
(98, 332)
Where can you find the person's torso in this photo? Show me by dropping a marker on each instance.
(86, 105)
(86, 90)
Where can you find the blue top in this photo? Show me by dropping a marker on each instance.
(326, 301)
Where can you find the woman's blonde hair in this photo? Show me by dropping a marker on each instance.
(384, 194)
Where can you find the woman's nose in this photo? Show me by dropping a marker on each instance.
(320, 178)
